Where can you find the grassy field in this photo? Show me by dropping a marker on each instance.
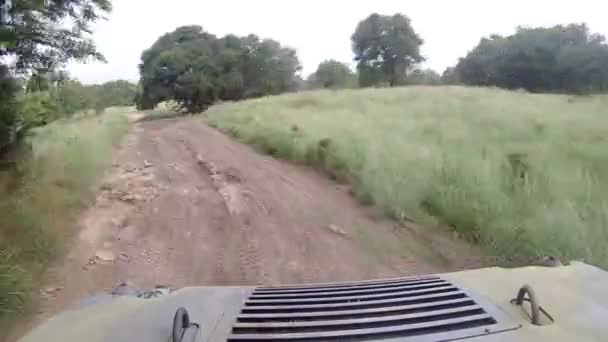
(41, 196)
(524, 175)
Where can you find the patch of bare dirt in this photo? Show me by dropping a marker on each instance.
(185, 205)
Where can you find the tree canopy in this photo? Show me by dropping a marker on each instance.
(37, 33)
(195, 68)
(333, 74)
(40, 36)
(52, 95)
(423, 77)
(8, 104)
(561, 58)
(385, 47)
(114, 94)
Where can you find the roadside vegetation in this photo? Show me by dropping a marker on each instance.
(523, 175)
(41, 196)
(54, 144)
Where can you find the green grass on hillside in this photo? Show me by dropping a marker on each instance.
(523, 174)
(40, 198)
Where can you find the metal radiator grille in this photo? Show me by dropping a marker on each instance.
(423, 308)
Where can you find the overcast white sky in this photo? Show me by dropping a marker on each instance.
(320, 30)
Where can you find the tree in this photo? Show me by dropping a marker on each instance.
(195, 68)
(38, 82)
(561, 58)
(50, 96)
(53, 95)
(423, 77)
(267, 67)
(39, 36)
(115, 93)
(334, 74)
(450, 76)
(181, 66)
(8, 104)
(385, 47)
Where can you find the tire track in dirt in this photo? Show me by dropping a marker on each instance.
(228, 185)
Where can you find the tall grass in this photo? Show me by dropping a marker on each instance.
(40, 198)
(524, 175)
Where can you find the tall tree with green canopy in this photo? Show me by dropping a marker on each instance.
(195, 69)
(268, 67)
(385, 47)
(39, 36)
(181, 66)
(334, 74)
(115, 93)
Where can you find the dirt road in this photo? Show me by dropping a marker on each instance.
(185, 205)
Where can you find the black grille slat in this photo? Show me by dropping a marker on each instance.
(355, 305)
(382, 332)
(351, 324)
(376, 312)
(413, 308)
(350, 292)
(350, 299)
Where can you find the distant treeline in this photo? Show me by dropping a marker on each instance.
(196, 68)
(54, 95)
(46, 97)
(567, 59)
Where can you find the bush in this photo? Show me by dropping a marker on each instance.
(38, 109)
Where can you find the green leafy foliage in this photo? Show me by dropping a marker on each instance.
(423, 77)
(56, 181)
(38, 109)
(38, 36)
(333, 74)
(55, 95)
(117, 93)
(561, 58)
(195, 69)
(386, 47)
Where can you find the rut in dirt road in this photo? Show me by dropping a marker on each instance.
(185, 205)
